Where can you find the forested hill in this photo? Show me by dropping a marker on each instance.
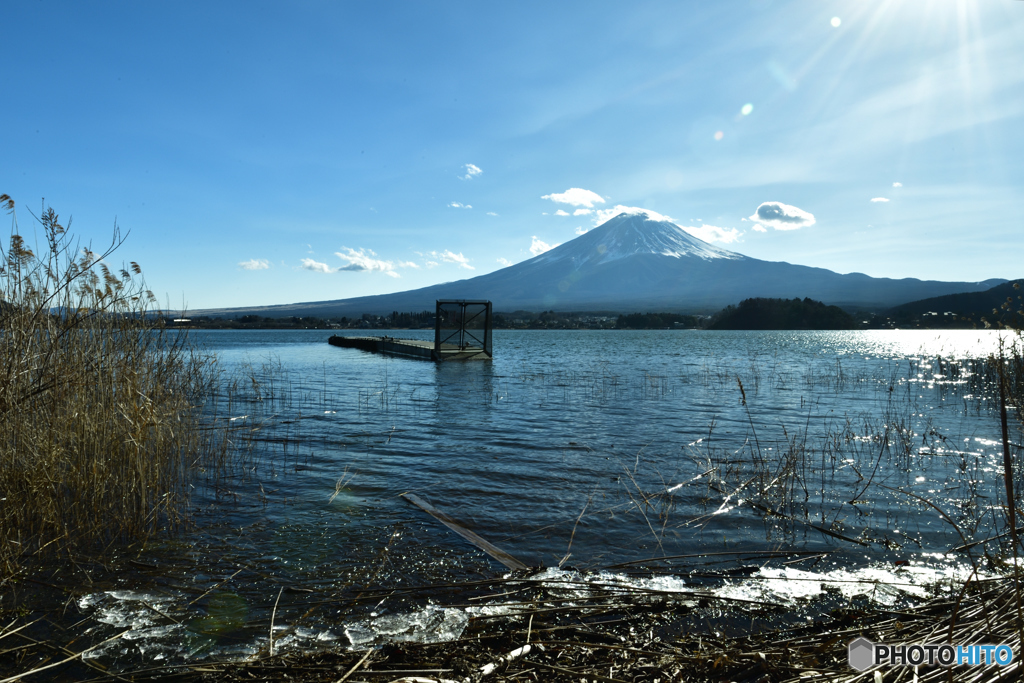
(1000, 306)
(781, 314)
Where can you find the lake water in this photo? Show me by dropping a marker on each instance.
(669, 454)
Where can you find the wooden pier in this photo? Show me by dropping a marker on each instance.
(409, 348)
(462, 331)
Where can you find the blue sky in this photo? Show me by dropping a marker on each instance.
(264, 153)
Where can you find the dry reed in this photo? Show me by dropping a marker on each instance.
(99, 406)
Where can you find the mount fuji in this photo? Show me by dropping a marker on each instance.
(634, 262)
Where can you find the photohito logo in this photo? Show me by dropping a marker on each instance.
(863, 654)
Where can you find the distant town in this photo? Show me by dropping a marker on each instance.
(782, 314)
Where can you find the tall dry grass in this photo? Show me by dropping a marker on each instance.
(100, 429)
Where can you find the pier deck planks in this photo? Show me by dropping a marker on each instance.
(410, 348)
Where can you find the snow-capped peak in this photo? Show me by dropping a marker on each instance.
(628, 234)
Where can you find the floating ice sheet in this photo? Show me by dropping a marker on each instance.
(879, 583)
(137, 614)
(432, 624)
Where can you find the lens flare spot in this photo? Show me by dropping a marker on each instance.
(836, 21)
(719, 135)
(747, 108)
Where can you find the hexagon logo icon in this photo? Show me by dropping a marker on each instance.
(861, 653)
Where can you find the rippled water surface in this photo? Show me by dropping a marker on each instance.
(586, 450)
(562, 421)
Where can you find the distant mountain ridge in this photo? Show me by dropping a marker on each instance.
(635, 263)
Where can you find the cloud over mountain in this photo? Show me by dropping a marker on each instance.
(604, 215)
(782, 216)
(576, 196)
(711, 233)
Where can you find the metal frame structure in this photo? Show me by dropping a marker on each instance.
(460, 314)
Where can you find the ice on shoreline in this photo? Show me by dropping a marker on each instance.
(149, 636)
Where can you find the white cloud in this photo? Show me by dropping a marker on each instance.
(448, 256)
(254, 264)
(576, 197)
(472, 170)
(491, 213)
(316, 266)
(897, 184)
(580, 230)
(364, 259)
(432, 264)
(451, 257)
(880, 199)
(561, 213)
(604, 215)
(407, 264)
(710, 233)
(582, 212)
(459, 205)
(538, 247)
(504, 262)
(782, 216)
(759, 228)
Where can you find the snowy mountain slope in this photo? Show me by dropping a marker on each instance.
(635, 263)
(628, 235)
